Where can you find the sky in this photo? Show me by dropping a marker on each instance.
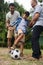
(26, 3)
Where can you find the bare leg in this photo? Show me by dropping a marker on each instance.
(21, 48)
(17, 40)
(9, 43)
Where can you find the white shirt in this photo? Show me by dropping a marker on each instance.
(13, 17)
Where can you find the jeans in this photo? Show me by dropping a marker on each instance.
(35, 41)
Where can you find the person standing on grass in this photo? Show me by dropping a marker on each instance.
(37, 23)
(11, 16)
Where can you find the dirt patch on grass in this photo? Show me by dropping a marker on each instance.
(5, 59)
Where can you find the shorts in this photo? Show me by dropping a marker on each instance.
(17, 34)
(10, 33)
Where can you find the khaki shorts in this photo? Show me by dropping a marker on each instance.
(10, 33)
(17, 34)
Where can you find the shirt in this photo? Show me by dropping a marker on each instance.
(16, 23)
(38, 9)
(23, 25)
(13, 17)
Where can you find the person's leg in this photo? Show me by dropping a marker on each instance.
(35, 41)
(17, 40)
(9, 42)
(21, 48)
(9, 37)
(22, 42)
(15, 37)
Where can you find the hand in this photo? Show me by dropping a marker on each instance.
(7, 25)
(31, 23)
(10, 28)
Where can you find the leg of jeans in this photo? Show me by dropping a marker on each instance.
(35, 41)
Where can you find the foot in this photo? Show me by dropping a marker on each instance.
(32, 59)
(9, 49)
(40, 56)
(21, 54)
(12, 48)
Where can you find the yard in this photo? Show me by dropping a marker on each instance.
(5, 59)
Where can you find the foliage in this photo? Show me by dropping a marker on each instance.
(40, 0)
(19, 8)
(3, 32)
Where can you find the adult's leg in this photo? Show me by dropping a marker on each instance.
(35, 41)
(9, 42)
(9, 37)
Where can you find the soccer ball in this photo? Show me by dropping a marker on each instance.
(15, 54)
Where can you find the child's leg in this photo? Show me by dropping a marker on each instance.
(19, 37)
(17, 40)
(21, 48)
(22, 44)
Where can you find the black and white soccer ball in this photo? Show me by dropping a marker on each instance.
(15, 54)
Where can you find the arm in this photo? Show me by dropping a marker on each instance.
(34, 19)
(37, 12)
(7, 23)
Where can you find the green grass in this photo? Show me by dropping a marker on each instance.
(5, 59)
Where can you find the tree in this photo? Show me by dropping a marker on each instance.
(40, 0)
(19, 8)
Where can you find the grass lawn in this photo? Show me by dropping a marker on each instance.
(5, 59)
